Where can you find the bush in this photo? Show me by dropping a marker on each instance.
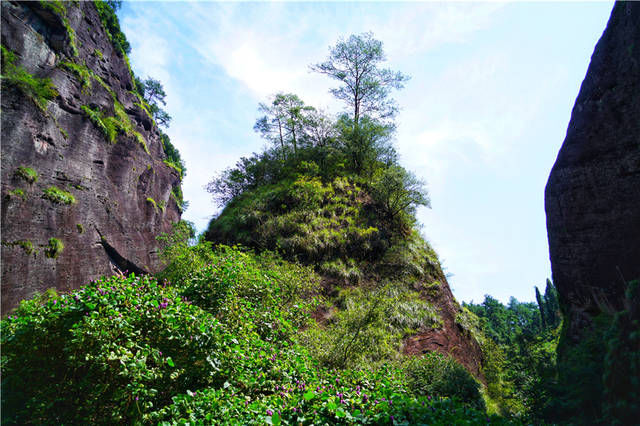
(54, 248)
(106, 353)
(437, 374)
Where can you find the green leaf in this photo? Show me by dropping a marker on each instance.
(309, 395)
(170, 362)
(275, 419)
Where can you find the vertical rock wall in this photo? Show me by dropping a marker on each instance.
(592, 198)
(122, 190)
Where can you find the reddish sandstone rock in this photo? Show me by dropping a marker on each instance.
(111, 225)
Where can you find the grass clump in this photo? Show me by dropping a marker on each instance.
(369, 326)
(98, 53)
(437, 374)
(153, 203)
(111, 126)
(54, 248)
(27, 174)
(17, 193)
(58, 196)
(83, 72)
(39, 90)
(174, 167)
(25, 245)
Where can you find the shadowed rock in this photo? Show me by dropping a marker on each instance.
(592, 198)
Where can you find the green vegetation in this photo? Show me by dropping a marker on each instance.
(80, 228)
(54, 248)
(58, 196)
(369, 327)
(111, 24)
(58, 7)
(598, 376)
(153, 203)
(217, 345)
(519, 352)
(111, 126)
(17, 193)
(26, 245)
(98, 53)
(27, 174)
(436, 374)
(83, 72)
(39, 90)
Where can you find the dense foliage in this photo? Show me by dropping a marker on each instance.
(219, 347)
(598, 376)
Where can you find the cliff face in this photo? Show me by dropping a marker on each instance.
(92, 143)
(592, 198)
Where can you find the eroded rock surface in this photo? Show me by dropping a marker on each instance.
(453, 337)
(112, 224)
(592, 198)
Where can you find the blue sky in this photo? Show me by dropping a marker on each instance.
(482, 118)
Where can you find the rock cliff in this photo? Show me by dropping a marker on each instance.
(592, 198)
(85, 188)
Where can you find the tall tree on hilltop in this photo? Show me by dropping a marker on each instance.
(365, 86)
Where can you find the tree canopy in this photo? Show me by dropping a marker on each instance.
(365, 86)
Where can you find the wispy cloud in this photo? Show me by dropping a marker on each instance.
(481, 120)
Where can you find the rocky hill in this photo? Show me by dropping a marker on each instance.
(592, 197)
(85, 184)
(341, 230)
(592, 201)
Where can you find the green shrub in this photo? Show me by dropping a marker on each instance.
(54, 248)
(58, 196)
(27, 174)
(98, 53)
(111, 25)
(80, 228)
(39, 90)
(107, 353)
(440, 375)
(327, 397)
